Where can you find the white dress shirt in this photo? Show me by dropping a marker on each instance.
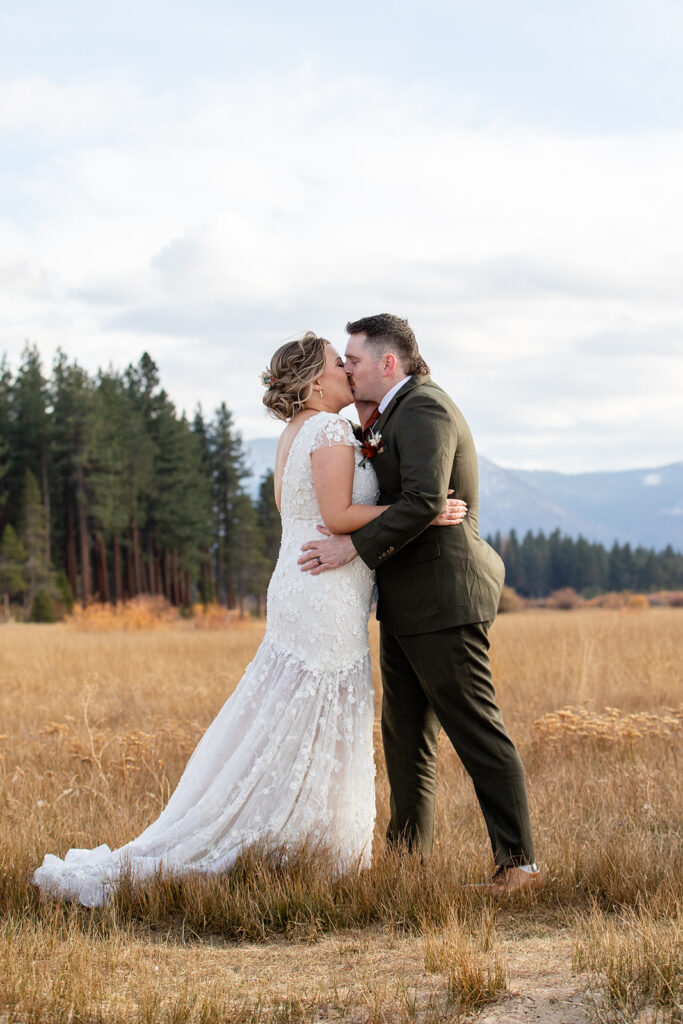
(390, 394)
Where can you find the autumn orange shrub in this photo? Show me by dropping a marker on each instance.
(147, 611)
(565, 599)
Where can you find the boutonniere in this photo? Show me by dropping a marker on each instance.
(371, 446)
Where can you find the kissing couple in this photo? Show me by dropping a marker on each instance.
(289, 757)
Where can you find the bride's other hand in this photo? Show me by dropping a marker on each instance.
(454, 511)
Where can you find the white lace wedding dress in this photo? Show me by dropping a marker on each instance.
(289, 756)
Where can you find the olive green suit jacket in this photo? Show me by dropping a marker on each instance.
(428, 577)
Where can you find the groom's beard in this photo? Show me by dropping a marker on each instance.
(358, 396)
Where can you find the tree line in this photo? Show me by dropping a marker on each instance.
(107, 492)
(539, 564)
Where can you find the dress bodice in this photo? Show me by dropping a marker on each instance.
(324, 430)
(321, 619)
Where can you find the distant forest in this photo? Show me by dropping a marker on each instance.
(538, 564)
(106, 492)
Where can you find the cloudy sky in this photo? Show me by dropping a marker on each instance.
(203, 181)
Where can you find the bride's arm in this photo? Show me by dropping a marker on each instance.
(333, 481)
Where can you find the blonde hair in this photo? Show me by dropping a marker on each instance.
(291, 373)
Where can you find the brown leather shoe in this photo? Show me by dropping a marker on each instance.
(509, 879)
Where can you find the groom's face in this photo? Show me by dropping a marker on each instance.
(364, 370)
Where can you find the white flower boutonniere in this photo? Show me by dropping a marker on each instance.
(371, 446)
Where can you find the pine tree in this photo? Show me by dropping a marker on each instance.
(269, 520)
(206, 586)
(4, 467)
(13, 557)
(37, 569)
(180, 506)
(510, 554)
(5, 431)
(72, 400)
(249, 563)
(142, 382)
(30, 433)
(228, 471)
(107, 482)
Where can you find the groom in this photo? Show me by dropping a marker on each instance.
(438, 595)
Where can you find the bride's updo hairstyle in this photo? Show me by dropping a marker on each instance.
(289, 378)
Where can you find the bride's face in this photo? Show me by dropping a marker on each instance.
(334, 381)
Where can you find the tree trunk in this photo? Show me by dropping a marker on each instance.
(229, 582)
(151, 568)
(102, 574)
(71, 560)
(118, 579)
(130, 573)
(137, 561)
(46, 508)
(86, 575)
(177, 595)
(188, 590)
(168, 592)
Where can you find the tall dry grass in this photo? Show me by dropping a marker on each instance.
(96, 727)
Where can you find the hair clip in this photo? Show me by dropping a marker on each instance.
(267, 379)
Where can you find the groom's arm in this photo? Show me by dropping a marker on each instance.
(426, 438)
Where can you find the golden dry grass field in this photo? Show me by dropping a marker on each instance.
(96, 726)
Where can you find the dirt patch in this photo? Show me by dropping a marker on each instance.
(542, 985)
(382, 976)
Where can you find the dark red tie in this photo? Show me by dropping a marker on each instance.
(372, 419)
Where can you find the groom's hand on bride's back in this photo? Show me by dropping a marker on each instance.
(320, 555)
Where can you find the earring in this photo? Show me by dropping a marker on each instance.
(321, 392)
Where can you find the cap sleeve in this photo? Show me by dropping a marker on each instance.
(334, 431)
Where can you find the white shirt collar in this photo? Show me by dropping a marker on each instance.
(390, 394)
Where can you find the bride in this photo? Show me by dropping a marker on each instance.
(289, 756)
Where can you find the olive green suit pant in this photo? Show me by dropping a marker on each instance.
(443, 679)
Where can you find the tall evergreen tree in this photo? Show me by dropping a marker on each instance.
(249, 563)
(206, 586)
(34, 536)
(180, 506)
(108, 481)
(269, 520)
(5, 430)
(29, 433)
(13, 557)
(72, 401)
(228, 472)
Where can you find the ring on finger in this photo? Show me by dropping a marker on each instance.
(317, 558)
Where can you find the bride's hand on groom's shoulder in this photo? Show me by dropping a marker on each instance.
(453, 513)
(320, 555)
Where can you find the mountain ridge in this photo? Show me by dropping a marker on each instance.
(642, 507)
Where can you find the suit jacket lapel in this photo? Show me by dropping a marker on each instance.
(414, 382)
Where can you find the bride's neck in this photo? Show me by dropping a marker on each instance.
(317, 405)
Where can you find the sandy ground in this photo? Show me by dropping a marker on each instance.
(542, 984)
(380, 976)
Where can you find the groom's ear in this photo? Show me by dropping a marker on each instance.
(389, 361)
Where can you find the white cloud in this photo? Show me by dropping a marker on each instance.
(207, 227)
